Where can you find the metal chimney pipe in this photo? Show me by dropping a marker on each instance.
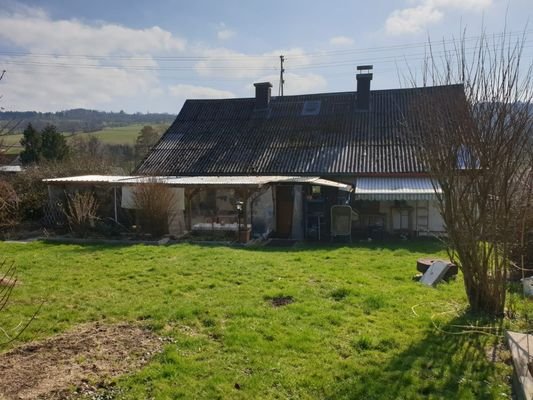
(363, 86)
(262, 95)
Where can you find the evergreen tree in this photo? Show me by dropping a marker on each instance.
(147, 137)
(32, 143)
(54, 144)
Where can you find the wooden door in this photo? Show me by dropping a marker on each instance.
(284, 206)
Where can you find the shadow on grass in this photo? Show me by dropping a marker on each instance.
(429, 246)
(443, 365)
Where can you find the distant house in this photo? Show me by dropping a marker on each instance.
(290, 159)
(10, 164)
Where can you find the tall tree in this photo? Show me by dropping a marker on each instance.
(478, 148)
(54, 144)
(146, 139)
(32, 143)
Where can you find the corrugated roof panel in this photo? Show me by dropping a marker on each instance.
(249, 180)
(89, 179)
(228, 137)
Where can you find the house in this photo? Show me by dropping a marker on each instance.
(279, 164)
(9, 163)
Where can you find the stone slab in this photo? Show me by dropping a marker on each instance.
(435, 273)
(523, 381)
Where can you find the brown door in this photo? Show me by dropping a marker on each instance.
(284, 205)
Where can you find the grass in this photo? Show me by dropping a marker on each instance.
(356, 326)
(119, 135)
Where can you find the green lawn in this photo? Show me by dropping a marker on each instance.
(359, 326)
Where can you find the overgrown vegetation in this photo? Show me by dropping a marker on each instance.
(9, 202)
(356, 326)
(27, 197)
(155, 204)
(81, 212)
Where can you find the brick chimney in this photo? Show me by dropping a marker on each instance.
(363, 86)
(262, 95)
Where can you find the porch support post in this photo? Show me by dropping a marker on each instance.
(189, 194)
(115, 203)
(245, 195)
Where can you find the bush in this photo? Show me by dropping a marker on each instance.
(9, 206)
(81, 212)
(155, 207)
(33, 192)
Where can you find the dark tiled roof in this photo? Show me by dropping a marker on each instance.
(227, 137)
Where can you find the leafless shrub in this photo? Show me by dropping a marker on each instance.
(478, 148)
(8, 281)
(9, 203)
(33, 192)
(81, 212)
(155, 204)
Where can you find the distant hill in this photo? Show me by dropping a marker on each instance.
(80, 120)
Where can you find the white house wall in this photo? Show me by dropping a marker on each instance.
(435, 222)
(263, 217)
(128, 198)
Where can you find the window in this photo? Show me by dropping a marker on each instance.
(311, 107)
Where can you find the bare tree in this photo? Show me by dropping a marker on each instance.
(478, 148)
(9, 206)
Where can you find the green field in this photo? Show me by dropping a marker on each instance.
(359, 327)
(120, 135)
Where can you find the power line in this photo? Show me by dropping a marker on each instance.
(236, 57)
(381, 59)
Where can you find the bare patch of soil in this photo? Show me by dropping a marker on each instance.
(281, 301)
(85, 358)
(8, 282)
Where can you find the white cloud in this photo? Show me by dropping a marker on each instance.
(122, 65)
(426, 12)
(341, 41)
(232, 64)
(184, 91)
(412, 20)
(71, 63)
(52, 88)
(462, 4)
(223, 32)
(38, 33)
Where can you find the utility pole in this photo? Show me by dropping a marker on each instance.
(281, 80)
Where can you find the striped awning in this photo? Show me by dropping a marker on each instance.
(367, 188)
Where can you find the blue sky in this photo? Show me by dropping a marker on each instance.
(151, 56)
